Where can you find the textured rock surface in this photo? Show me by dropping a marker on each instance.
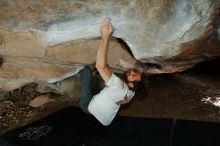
(47, 40)
(26, 61)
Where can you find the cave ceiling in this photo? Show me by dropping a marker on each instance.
(49, 40)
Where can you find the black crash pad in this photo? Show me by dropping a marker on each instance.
(196, 133)
(72, 127)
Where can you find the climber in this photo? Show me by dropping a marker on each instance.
(105, 105)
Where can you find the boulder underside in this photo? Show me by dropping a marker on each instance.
(49, 41)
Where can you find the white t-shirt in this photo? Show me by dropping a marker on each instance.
(103, 105)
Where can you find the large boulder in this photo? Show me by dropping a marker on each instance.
(49, 40)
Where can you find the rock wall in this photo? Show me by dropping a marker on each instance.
(31, 62)
(49, 40)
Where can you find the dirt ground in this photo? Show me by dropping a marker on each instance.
(193, 94)
(179, 96)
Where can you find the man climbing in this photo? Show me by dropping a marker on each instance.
(105, 105)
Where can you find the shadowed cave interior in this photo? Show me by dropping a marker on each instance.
(189, 95)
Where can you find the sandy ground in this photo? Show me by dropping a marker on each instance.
(179, 97)
(193, 94)
(188, 95)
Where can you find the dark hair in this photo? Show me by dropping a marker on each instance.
(126, 73)
(137, 84)
(140, 87)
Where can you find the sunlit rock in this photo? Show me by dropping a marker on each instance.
(49, 40)
(26, 61)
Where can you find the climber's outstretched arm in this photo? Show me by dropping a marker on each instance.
(101, 58)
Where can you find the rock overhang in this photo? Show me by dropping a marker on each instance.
(172, 35)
